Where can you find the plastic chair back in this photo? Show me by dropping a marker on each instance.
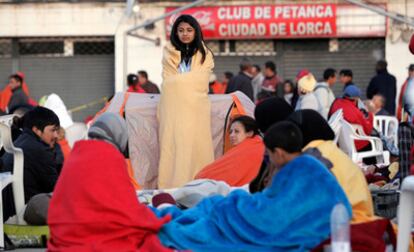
(387, 126)
(18, 158)
(405, 214)
(336, 123)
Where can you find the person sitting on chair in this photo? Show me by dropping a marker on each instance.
(41, 164)
(352, 114)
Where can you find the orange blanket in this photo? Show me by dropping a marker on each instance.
(239, 165)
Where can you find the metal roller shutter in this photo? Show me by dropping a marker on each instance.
(79, 69)
(5, 71)
(6, 63)
(359, 55)
(77, 80)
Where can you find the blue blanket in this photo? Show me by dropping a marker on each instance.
(292, 214)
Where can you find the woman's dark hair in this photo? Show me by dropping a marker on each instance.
(292, 86)
(312, 125)
(196, 44)
(248, 123)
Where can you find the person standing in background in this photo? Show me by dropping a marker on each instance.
(346, 77)
(289, 91)
(225, 79)
(271, 82)
(384, 84)
(323, 91)
(146, 84)
(243, 81)
(133, 85)
(401, 110)
(257, 80)
(215, 87)
(18, 97)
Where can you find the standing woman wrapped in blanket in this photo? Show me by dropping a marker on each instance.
(184, 110)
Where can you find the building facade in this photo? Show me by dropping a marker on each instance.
(80, 50)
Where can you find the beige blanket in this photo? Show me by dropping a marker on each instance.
(184, 119)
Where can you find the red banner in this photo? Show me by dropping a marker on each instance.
(263, 21)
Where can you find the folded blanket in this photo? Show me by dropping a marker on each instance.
(292, 214)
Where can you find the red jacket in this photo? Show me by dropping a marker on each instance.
(94, 206)
(400, 101)
(136, 89)
(353, 115)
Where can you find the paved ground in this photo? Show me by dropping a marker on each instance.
(29, 250)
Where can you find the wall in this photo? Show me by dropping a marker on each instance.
(89, 19)
(396, 47)
(94, 19)
(140, 54)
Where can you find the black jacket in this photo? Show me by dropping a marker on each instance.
(241, 82)
(150, 88)
(18, 98)
(385, 84)
(40, 168)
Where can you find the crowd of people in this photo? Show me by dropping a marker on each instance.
(273, 190)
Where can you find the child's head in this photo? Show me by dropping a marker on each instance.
(283, 142)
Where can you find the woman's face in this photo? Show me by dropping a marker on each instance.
(186, 33)
(238, 133)
(287, 88)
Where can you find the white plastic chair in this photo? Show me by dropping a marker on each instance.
(387, 126)
(352, 132)
(18, 158)
(5, 179)
(17, 177)
(77, 131)
(405, 214)
(335, 121)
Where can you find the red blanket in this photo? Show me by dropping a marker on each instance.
(238, 166)
(94, 206)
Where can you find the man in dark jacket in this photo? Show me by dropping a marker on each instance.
(385, 84)
(18, 97)
(345, 77)
(41, 162)
(243, 81)
(271, 83)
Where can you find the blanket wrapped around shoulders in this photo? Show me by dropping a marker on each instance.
(238, 166)
(94, 205)
(186, 144)
(292, 214)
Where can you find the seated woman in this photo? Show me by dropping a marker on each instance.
(241, 163)
(291, 214)
(94, 206)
